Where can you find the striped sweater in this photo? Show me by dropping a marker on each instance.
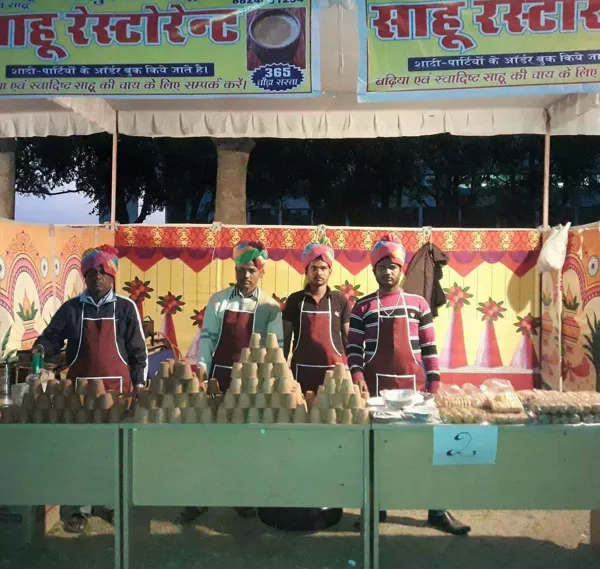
(362, 338)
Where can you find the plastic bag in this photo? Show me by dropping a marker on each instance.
(450, 390)
(471, 389)
(491, 386)
(554, 251)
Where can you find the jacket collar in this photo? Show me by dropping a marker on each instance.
(109, 297)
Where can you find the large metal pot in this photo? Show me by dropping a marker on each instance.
(300, 519)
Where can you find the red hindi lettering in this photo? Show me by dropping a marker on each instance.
(152, 25)
(524, 15)
(537, 19)
(515, 18)
(13, 27)
(413, 21)
(101, 28)
(486, 19)
(37, 30)
(224, 29)
(591, 15)
(76, 29)
(122, 28)
(173, 27)
(216, 22)
(447, 24)
(43, 36)
(129, 28)
(393, 21)
(568, 17)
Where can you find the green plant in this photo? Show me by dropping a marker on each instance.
(26, 314)
(592, 346)
(570, 301)
(5, 354)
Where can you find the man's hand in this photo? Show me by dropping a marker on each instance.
(362, 384)
(37, 349)
(202, 373)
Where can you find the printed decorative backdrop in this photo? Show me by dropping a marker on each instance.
(581, 310)
(489, 328)
(39, 270)
(551, 356)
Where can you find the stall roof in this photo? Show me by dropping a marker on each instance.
(335, 114)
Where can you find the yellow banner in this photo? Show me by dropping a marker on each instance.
(416, 49)
(161, 49)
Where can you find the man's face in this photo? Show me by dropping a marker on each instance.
(318, 272)
(98, 283)
(247, 277)
(388, 273)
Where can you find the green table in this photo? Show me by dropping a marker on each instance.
(62, 464)
(537, 468)
(251, 465)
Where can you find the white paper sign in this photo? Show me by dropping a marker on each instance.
(455, 445)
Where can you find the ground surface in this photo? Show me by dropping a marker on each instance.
(222, 540)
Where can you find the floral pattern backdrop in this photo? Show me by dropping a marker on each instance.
(490, 327)
(551, 352)
(580, 298)
(39, 270)
(499, 319)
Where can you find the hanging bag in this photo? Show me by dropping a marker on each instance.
(554, 251)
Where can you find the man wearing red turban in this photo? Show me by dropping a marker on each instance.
(105, 340)
(318, 318)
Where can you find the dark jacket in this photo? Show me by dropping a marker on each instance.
(424, 273)
(66, 325)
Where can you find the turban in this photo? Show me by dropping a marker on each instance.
(388, 246)
(250, 252)
(104, 256)
(321, 248)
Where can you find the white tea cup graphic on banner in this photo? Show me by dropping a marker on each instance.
(275, 35)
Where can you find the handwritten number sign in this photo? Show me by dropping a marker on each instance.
(464, 450)
(455, 445)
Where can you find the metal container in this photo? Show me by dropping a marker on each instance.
(300, 519)
(5, 399)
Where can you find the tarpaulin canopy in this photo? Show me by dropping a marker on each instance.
(334, 114)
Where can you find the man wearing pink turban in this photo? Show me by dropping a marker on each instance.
(317, 318)
(391, 343)
(104, 335)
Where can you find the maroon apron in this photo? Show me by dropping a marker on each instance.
(236, 331)
(98, 357)
(314, 352)
(393, 365)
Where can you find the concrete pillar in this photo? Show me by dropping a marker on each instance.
(8, 147)
(232, 155)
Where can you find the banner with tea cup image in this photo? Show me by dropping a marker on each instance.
(434, 49)
(167, 48)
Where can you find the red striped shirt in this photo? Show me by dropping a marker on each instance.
(364, 325)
